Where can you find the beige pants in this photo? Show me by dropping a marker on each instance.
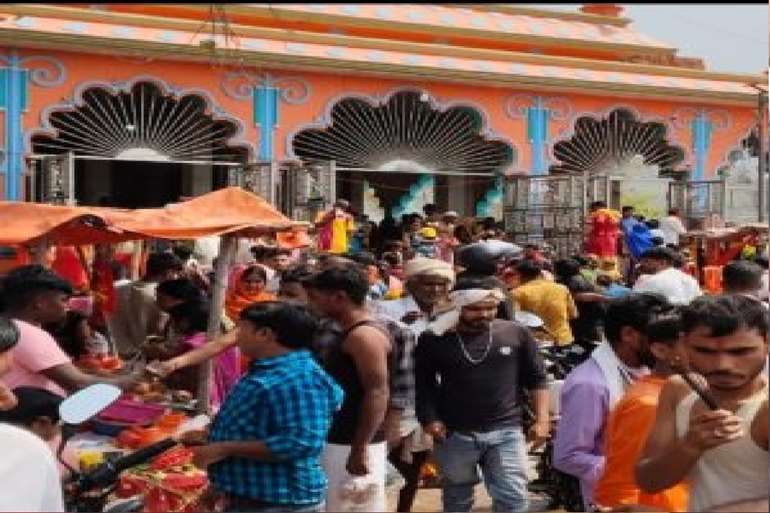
(335, 458)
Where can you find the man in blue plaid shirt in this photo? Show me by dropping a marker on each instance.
(265, 443)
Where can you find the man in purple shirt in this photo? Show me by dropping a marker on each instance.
(592, 388)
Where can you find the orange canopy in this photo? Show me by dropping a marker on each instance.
(224, 211)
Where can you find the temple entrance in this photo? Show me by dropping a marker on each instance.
(141, 146)
(395, 154)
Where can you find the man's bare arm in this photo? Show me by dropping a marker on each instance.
(369, 348)
(665, 460)
(72, 379)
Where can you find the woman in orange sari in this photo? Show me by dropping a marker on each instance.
(249, 288)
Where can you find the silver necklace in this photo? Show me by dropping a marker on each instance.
(465, 351)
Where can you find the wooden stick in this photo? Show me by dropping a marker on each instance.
(227, 248)
(702, 392)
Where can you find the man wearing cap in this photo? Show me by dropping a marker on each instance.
(468, 399)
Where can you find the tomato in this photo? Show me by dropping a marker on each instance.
(129, 485)
(185, 481)
(174, 457)
(156, 501)
(150, 435)
(90, 362)
(111, 363)
(171, 421)
(129, 439)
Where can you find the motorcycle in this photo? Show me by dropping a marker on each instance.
(89, 491)
(562, 490)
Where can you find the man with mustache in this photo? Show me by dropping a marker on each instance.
(468, 400)
(723, 453)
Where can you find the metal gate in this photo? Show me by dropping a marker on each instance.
(604, 188)
(298, 189)
(51, 179)
(311, 188)
(549, 209)
(261, 178)
(697, 200)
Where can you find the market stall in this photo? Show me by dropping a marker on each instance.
(712, 249)
(152, 411)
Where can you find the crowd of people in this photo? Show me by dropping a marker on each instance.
(390, 345)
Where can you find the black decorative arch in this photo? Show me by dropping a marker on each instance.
(406, 131)
(598, 144)
(141, 118)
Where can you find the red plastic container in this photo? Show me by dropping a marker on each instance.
(132, 412)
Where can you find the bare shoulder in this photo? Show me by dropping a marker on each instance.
(674, 391)
(368, 337)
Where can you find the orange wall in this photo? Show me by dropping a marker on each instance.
(327, 87)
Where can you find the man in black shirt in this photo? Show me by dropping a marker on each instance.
(468, 400)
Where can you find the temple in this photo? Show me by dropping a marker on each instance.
(389, 105)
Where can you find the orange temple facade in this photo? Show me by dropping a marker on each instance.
(413, 103)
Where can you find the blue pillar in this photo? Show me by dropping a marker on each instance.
(537, 133)
(701, 141)
(13, 99)
(266, 117)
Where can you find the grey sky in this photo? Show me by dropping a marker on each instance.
(729, 37)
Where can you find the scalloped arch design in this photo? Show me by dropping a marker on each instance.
(404, 130)
(141, 118)
(596, 145)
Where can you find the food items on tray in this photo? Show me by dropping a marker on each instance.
(103, 363)
(169, 483)
(174, 457)
(137, 437)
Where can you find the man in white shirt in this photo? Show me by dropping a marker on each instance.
(672, 227)
(428, 282)
(660, 276)
(426, 307)
(29, 477)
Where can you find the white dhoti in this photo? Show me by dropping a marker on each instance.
(335, 458)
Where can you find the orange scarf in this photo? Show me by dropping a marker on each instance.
(237, 300)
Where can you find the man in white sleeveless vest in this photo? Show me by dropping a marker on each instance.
(723, 453)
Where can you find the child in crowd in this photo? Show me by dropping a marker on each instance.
(37, 410)
(426, 244)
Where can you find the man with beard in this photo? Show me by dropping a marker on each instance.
(631, 421)
(595, 386)
(468, 399)
(723, 453)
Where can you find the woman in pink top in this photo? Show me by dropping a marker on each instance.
(190, 321)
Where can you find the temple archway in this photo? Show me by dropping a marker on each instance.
(111, 140)
(406, 149)
(615, 144)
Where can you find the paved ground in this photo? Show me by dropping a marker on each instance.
(429, 499)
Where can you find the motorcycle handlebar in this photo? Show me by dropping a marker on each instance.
(107, 473)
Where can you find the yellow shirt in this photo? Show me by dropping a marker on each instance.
(341, 226)
(340, 229)
(550, 301)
